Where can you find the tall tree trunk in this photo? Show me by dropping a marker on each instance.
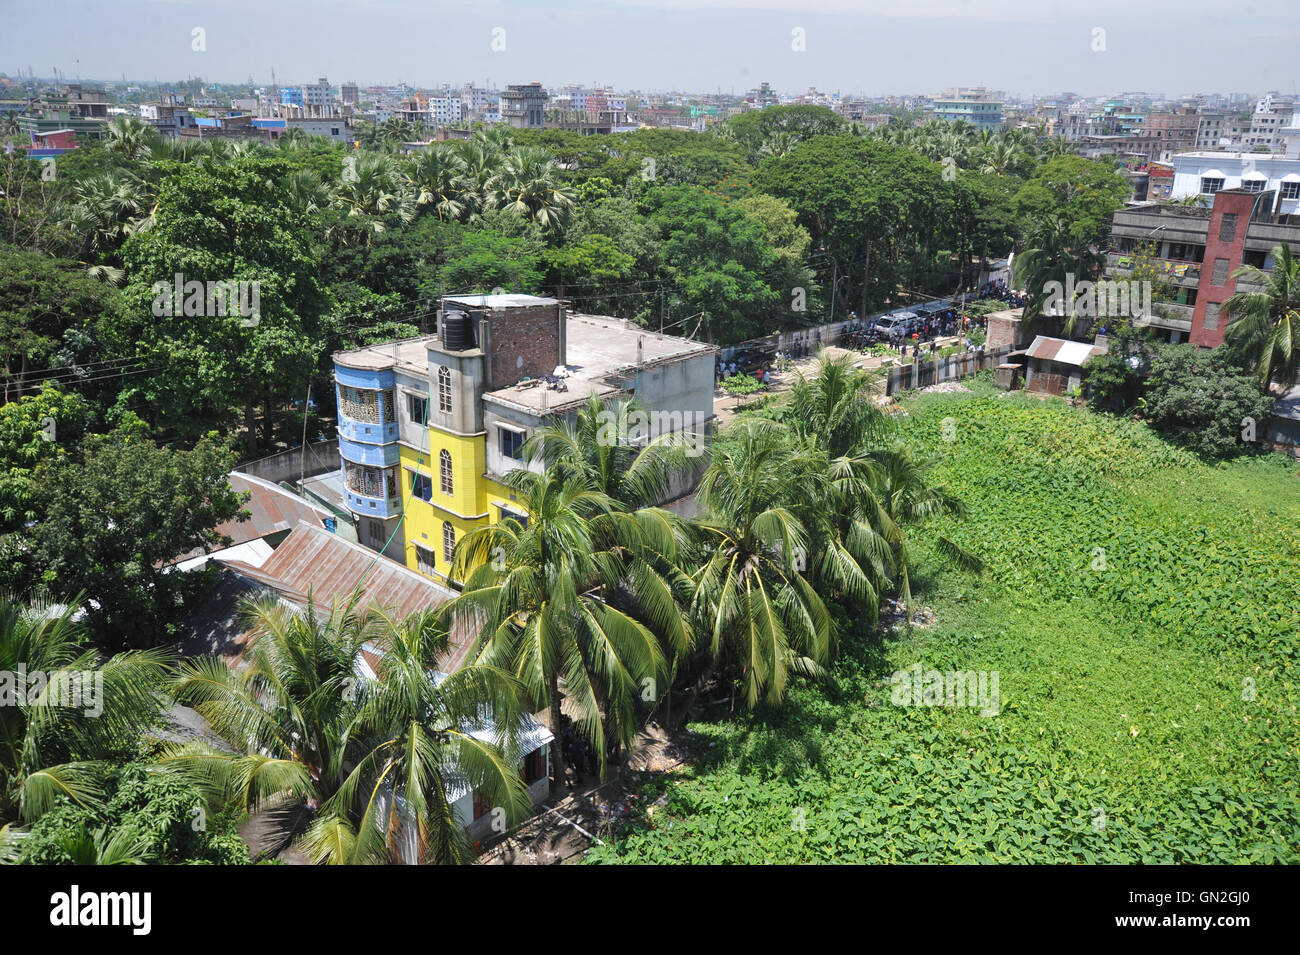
(866, 277)
(250, 429)
(557, 730)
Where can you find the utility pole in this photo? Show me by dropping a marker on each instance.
(302, 466)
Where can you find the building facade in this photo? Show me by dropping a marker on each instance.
(523, 106)
(429, 426)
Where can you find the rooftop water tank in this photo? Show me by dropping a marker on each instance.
(457, 330)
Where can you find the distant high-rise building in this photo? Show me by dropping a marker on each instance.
(976, 105)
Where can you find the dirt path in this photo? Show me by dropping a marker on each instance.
(563, 831)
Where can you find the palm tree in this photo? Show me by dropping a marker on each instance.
(100, 847)
(528, 184)
(555, 600)
(479, 163)
(1002, 157)
(760, 616)
(293, 138)
(1264, 319)
(105, 210)
(871, 486)
(382, 760)
(305, 191)
(436, 174)
(499, 138)
(421, 735)
(131, 137)
(53, 745)
(778, 143)
(603, 445)
(1055, 146)
(287, 709)
(369, 190)
(1054, 252)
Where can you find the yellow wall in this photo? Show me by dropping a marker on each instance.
(465, 508)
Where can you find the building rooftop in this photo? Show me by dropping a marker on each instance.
(1062, 351)
(506, 300)
(410, 354)
(598, 349)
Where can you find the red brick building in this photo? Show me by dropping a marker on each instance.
(1225, 247)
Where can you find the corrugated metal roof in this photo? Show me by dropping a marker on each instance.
(1063, 350)
(271, 509)
(311, 558)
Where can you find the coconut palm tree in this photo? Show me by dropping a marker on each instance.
(871, 486)
(559, 600)
(381, 760)
(436, 175)
(1264, 316)
(1002, 157)
(63, 737)
(420, 736)
(286, 709)
(758, 615)
(608, 444)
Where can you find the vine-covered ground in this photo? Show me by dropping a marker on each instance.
(1141, 610)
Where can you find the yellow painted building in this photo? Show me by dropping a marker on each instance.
(428, 425)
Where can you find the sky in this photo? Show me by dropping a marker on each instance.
(1026, 47)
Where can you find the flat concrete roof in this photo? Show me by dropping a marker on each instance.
(598, 347)
(507, 300)
(411, 354)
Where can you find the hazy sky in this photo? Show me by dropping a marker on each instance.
(872, 46)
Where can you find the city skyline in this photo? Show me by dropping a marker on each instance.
(727, 46)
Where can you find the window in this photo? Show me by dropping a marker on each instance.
(1210, 185)
(444, 470)
(1253, 185)
(368, 482)
(424, 561)
(511, 442)
(1291, 190)
(421, 486)
(448, 541)
(444, 390)
(1228, 227)
(417, 408)
(1220, 271)
(359, 404)
(1212, 316)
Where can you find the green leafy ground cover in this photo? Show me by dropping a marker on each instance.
(1148, 690)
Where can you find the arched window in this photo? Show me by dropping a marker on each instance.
(444, 389)
(444, 470)
(448, 541)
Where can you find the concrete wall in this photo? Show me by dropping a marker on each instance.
(319, 457)
(953, 368)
